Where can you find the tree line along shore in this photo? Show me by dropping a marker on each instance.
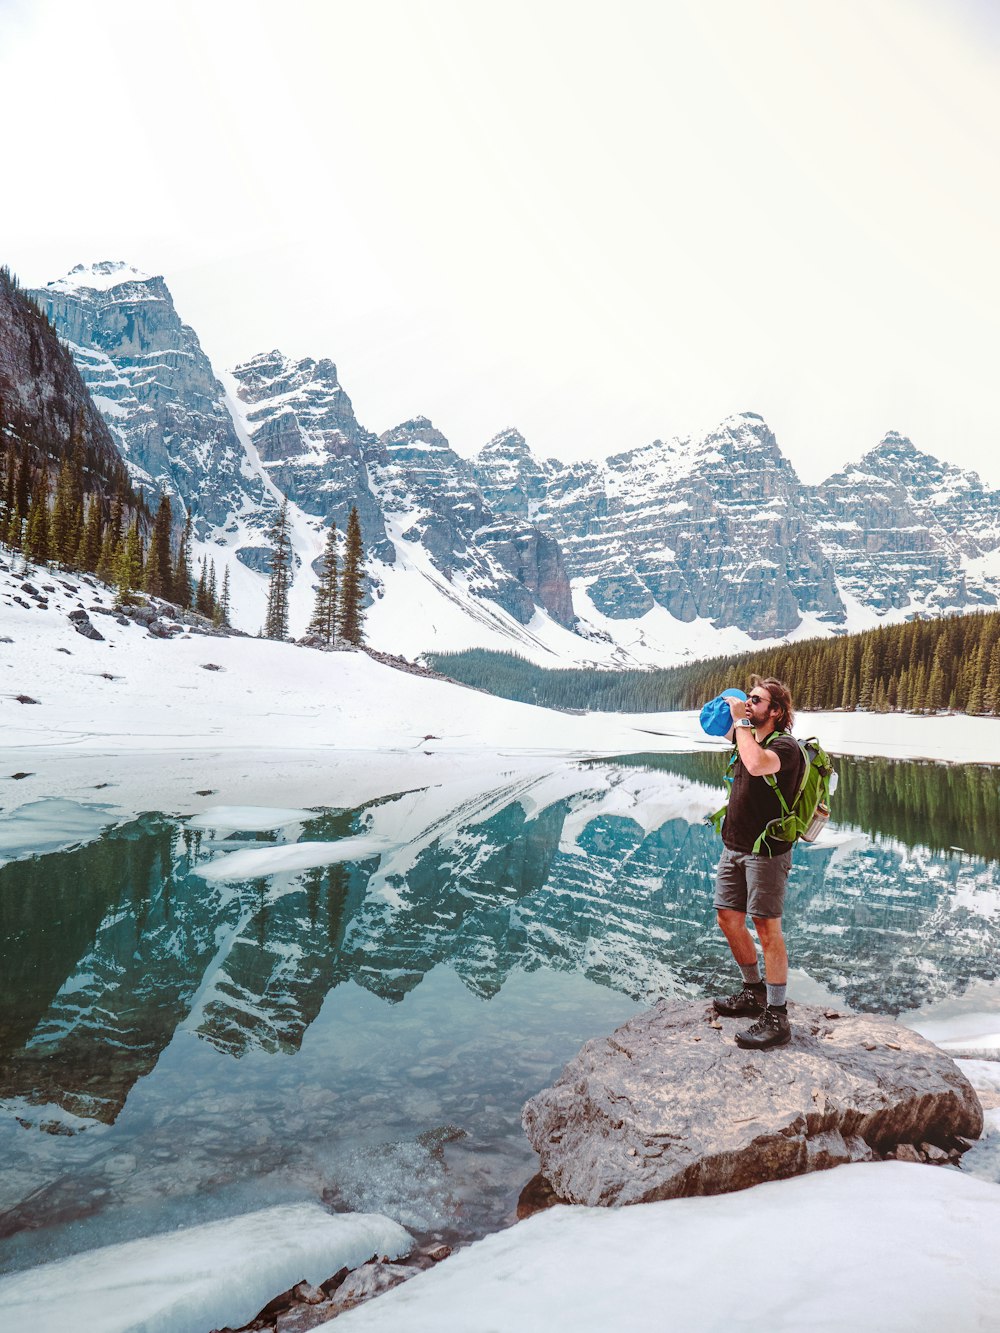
(919, 666)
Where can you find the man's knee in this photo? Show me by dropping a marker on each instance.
(768, 928)
(730, 921)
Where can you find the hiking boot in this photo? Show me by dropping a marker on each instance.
(746, 1003)
(771, 1029)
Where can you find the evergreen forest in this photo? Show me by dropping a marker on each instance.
(920, 666)
(66, 499)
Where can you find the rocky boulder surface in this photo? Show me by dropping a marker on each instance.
(670, 1106)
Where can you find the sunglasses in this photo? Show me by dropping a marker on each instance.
(759, 699)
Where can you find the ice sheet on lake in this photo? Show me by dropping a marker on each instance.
(248, 818)
(202, 1277)
(984, 1075)
(258, 862)
(961, 1032)
(885, 1245)
(51, 825)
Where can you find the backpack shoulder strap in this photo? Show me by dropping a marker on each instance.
(772, 778)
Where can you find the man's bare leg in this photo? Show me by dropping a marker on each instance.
(772, 941)
(750, 1000)
(734, 927)
(772, 1029)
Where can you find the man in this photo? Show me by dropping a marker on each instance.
(755, 883)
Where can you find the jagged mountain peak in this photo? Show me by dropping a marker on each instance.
(418, 432)
(735, 443)
(508, 443)
(271, 374)
(894, 447)
(153, 382)
(743, 428)
(102, 276)
(897, 460)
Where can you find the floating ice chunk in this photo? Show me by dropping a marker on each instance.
(960, 1032)
(201, 1277)
(592, 1269)
(50, 825)
(257, 862)
(984, 1075)
(248, 818)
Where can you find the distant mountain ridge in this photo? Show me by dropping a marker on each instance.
(722, 529)
(669, 551)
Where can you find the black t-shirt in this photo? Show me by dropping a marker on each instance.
(753, 803)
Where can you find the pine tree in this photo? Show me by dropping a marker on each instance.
(201, 603)
(21, 499)
(66, 522)
(89, 551)
(128, 573)
(977, 688)
(224, 601)
(11, 530)
(37, 545)
(937, 689)
(159, 580)
(107, 563)
(352, 582)
(866, 691)
(276, 619)
(324, 618)
(181, 581)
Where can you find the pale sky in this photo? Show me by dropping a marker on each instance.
(600, 224)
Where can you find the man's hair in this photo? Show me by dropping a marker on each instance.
(781, 698)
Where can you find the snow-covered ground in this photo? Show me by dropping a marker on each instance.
(133, 692)
(877, 1248)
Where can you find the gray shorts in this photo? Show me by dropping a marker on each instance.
(754, 884)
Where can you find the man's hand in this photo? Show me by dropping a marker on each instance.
(738, 707)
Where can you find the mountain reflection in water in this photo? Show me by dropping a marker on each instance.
(599, 871)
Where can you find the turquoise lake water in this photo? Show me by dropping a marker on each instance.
(175, 1049)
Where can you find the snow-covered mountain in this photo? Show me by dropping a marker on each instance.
(231, 447)
(906, 533)
(719, 531)
(409, 486)
(156, 389)
(46, 413)
(667, 552)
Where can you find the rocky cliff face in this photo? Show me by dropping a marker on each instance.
(707, 529)
(430, 498)
(721, 529)
(310, 442)
(408, 484)
(902, 529)
(156, 389)
(714, 533)
(511, 476)
(44, 404)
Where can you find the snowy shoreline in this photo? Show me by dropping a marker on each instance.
(130, 692)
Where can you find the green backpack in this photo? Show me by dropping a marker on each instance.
(806, 817)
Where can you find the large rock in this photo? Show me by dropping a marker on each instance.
(669, 1105)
